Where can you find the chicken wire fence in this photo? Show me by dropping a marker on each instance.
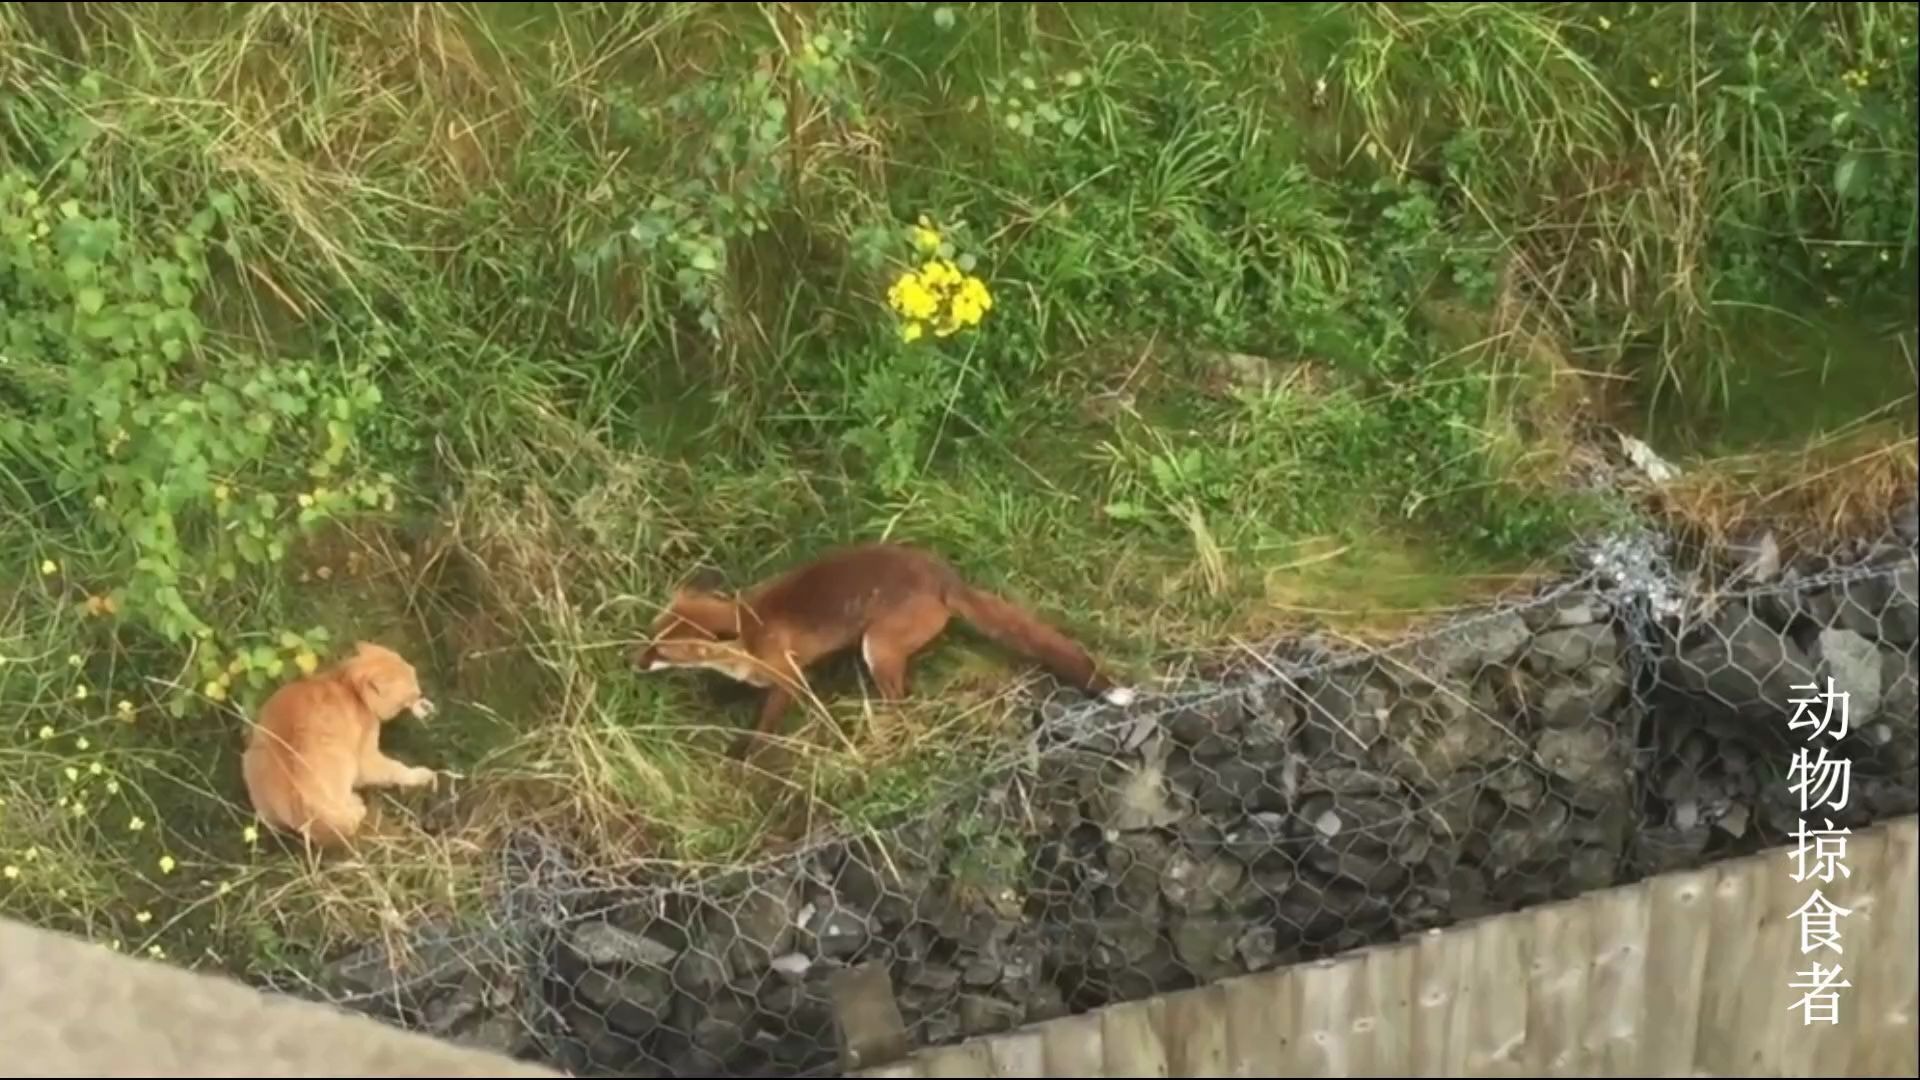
(1617, 725)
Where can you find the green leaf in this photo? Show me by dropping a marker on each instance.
(90, 300)
(943, 17)
(1848, 175)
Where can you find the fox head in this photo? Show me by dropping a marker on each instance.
(699, 630)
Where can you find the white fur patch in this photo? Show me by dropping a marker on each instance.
(1121, 696)
(866, 650)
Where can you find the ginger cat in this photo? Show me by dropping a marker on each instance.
(891, 599)
(317, 741)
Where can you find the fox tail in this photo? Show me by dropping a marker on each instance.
(1019, 630)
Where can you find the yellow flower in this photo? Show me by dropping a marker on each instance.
(1653, 81)
(156, 952)
(12, 872)
(143, 917)
(46, 731)
(167, 864)
(939, 273)
(250, 834)
(49, 568)
(1606, 23)
(306, 661)
(96, 768)
(135, 824)
(912, 331)
(216, 689)
(80, 692)
(126, 709)
(81, 743)
(911, 296)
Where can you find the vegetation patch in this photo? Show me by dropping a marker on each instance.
(475, 329)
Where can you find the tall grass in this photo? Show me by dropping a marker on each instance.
(473, 330)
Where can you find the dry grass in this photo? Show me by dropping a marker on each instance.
(1835, 489)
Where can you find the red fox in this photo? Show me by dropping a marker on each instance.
(892, 599)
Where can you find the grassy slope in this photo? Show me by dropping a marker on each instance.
(614, 342)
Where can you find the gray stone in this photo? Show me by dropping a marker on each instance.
(605, 945)
(835, 932)
(1745, 665)
(1572, 649)
(1586, 759)
(1191, 885)
(1478, 644)
(1207, 946)
(1853, 663)
(983, 1014)
(1582, 697)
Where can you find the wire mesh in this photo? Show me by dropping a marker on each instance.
(1626, 722)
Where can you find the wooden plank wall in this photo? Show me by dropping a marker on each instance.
(1686, 974)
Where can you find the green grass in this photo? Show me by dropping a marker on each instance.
(475, 332)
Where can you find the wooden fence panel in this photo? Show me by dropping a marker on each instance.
(1678, 935)
(1887, 982)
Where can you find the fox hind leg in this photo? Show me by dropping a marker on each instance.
(892, 640)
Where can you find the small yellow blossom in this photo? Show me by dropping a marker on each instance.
(167, 864)
(46, 731)
(1606, 23)
(143, 917)
(156, 952)
(939, 292)
(12, 872)
(306, 661)
(80, 692)
(250, 834)
(81, 743)
(217, 689)
(96, 768)
(73, 660)
(125, 709)
(1653, 81)
(49, 568)
(73, 774)
(136, 823)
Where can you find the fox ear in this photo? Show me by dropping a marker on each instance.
(716, 615)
